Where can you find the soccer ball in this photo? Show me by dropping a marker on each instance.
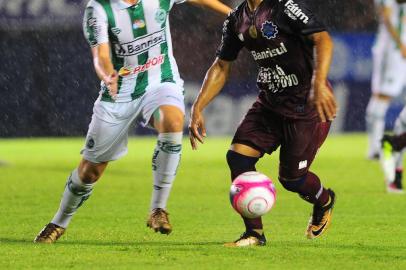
(252, 194)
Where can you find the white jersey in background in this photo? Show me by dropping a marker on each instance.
(388, 78)
(388, 63)
(140, 42)
(382, 35)
(398, 20)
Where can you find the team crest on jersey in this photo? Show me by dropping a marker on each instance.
(269, 30)
(90, 143)
(138, 24)
(160, 15)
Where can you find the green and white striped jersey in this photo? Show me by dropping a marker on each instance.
(140, 42)
(398, 20)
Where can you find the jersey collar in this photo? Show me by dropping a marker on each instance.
(120, 4)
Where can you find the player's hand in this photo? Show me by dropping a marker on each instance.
(111, 82)
(324, 101)
(197, 130)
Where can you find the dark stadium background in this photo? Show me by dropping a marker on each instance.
(48, 86)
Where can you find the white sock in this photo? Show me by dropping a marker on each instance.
(75, 194)
(375, 119)
(165, 162)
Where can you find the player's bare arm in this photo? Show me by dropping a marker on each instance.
(385, 13)
(213, 5)
(214, 81)
(323, 98)
(104, 67)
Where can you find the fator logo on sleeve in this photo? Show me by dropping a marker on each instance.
(91, 26)
(116, 31)
(295, 12)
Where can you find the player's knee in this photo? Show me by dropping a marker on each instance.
(239, 163)
(172, 119)
(292, 184)
(89, 175)
(175, 124)
(90, 172)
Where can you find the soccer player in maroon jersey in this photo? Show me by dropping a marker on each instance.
(295, 105)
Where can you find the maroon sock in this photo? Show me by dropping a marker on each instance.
(239, 164)
(253, 223)
(399, 142)
(313, 191)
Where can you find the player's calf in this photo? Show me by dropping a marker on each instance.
(310, 189)
(239, 164)
(165, 162)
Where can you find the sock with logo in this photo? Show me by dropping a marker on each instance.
(75, 194)
(165, 162)
(308, 187)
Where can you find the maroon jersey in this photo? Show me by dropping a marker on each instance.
(276, 36)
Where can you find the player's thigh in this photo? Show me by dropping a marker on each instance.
(164, 107)
(245, 150)
(259, 132)
(378, 63)
(301, 141)
(107, 136)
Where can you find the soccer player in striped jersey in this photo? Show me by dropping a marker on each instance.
(131, 46)
(389, 63)
(391, 156)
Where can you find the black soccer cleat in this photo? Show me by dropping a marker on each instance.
(321, 218)
(248, 238)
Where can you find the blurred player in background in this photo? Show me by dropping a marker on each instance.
(294, 107)
(392, 155)
(389, 65)
(132, 54)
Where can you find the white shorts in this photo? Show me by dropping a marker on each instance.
(388, 74)
(107, 136)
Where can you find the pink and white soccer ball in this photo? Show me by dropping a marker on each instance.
(252, 194)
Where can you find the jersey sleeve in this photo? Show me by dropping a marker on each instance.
(300, 17)
(387, 3)
(230, 44)
(179, 1)
(95, 24)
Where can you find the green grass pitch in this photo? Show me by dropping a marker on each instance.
(109, 231)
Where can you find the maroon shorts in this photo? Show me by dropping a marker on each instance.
(299, 140)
